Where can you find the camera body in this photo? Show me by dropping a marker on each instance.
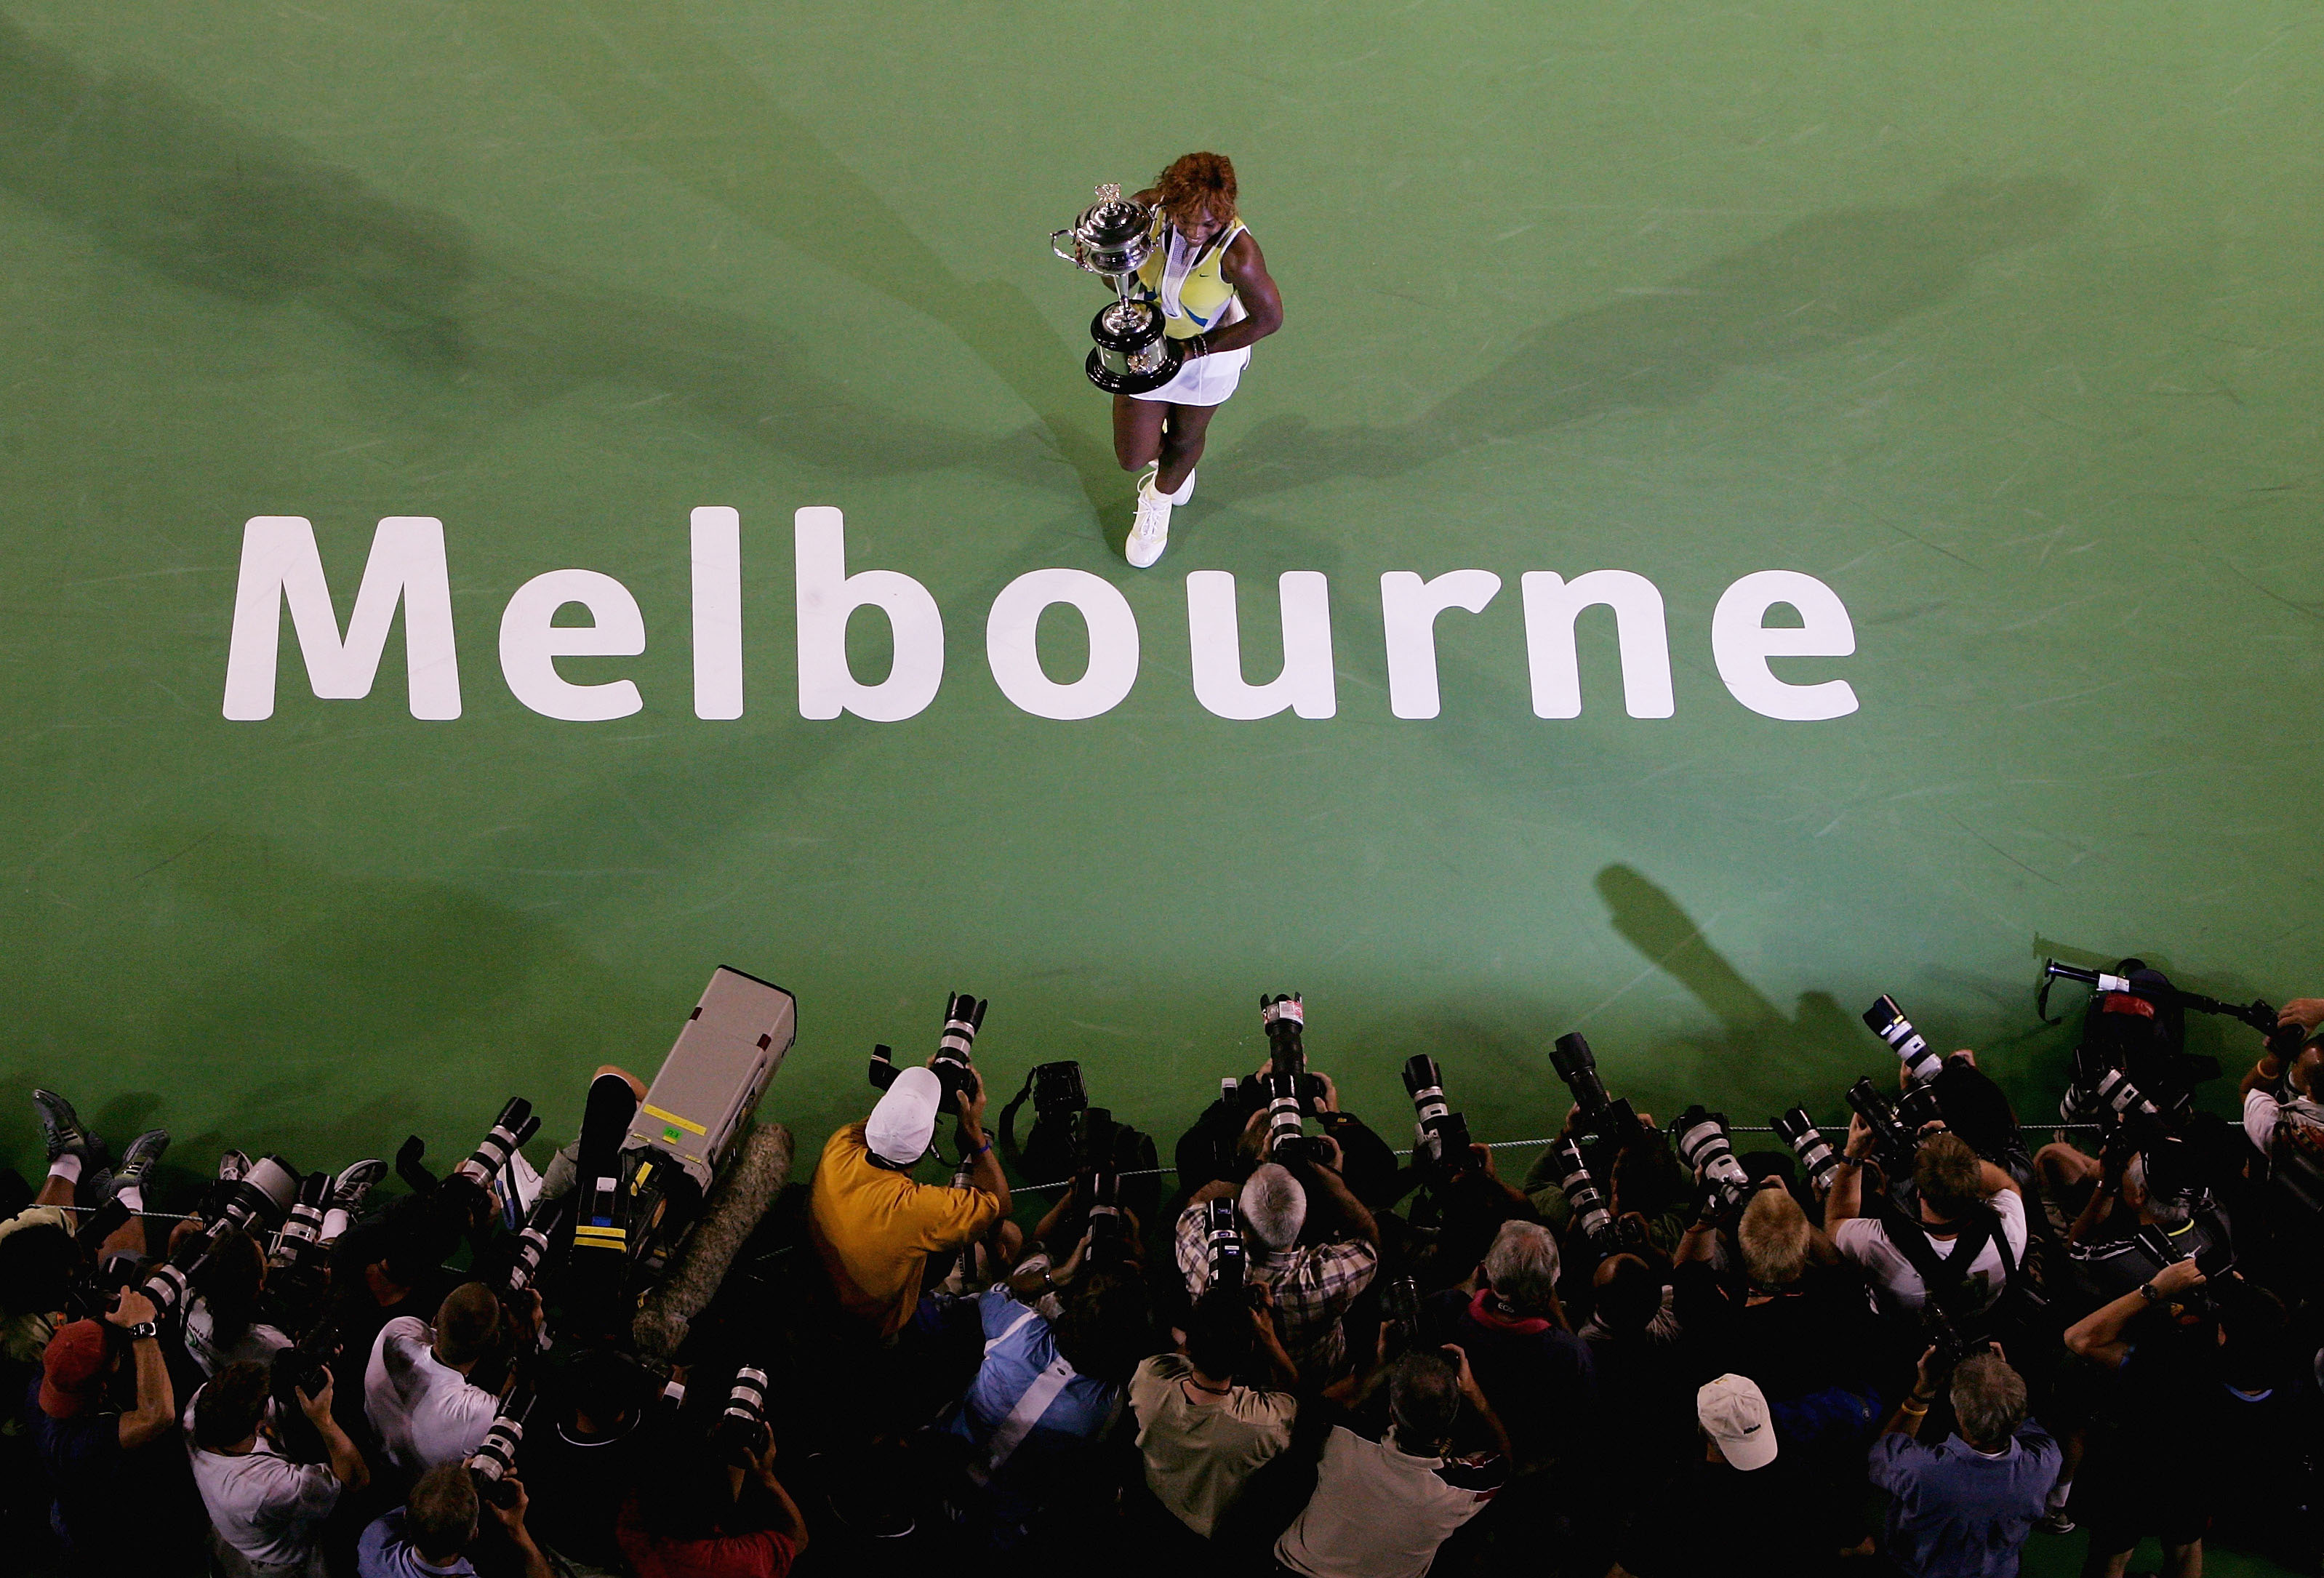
(1895, 1133)
(1441, 1134)
(1058, 1091)
(1399, 1314)
(644, 1167)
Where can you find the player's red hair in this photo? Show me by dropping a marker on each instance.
(1196, 183)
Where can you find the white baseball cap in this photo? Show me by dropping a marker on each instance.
(1734, 1413)
(904, 1120)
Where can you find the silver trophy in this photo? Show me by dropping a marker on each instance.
(1110, 240)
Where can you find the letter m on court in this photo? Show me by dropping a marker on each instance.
(281, 564)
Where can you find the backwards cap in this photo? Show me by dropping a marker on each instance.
(904, 1120)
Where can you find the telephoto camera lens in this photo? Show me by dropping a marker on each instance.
(514, 1126)
(1601, 1114)
(492, 1465)
(524, 1259)
(1704, 1145)
(1440, 1132)
(1577, 1066)
(304, 1225)
(1284, 1137)
(1223, 1239)
(742, 1429)
(2119, 1096)
(963, 1017)
(1817, 1158)
(1582, 1192)
(1098, 1142)
(1888, 1022)
(166, 1287)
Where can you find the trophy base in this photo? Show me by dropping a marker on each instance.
(1125, 383)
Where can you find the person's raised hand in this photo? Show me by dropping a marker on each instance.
(1924, 1379)
(1481, 1158)
(1468, 1380)
(1859, 1138)
(131, 1309)
(1330, 1100)
(1262, 1309)
(2177, 1278)
(765, 1458)
(972, 1099)
(2307, 1012)
(511, 1517)
(1327, 1151)
(317, 1405)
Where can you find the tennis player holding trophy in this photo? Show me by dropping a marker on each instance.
(1192, 296)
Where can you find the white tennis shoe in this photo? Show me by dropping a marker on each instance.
(1185, 489)
(1149, 534)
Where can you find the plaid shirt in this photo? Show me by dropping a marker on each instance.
(1312, 1287)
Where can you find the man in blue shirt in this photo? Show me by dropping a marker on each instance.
(1963, 1508)
(1047, 1390)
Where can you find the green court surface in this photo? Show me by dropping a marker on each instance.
(2000, 320)
(2003, 325)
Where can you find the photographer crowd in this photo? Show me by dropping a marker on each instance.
(1660, 1352)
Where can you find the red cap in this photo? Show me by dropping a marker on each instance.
(72, 1369)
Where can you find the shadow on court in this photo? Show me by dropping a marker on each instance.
(1767, 1060)
(321, 979)
(1814, 285)
(218, 208)
(676, 102)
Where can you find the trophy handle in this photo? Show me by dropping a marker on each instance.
(1073, 258)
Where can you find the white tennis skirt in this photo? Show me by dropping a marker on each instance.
(1205, 381)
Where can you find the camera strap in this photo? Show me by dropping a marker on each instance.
(1945, 1275)
(1008, 1121)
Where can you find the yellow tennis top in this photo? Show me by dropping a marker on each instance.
(1191, 287)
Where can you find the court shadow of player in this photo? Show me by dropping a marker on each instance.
(1759, 1054)
(677, 103)
(1814, 285)
(319, 986)
(216, 207)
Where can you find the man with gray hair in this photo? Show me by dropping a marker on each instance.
(1963, 1508)
(1537, 1372)
(1313, 1283)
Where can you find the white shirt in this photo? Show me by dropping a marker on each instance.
(423, 1412)
(259, 1342)
(1378, 1512)
(1863, 1239)
(264, 1505)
